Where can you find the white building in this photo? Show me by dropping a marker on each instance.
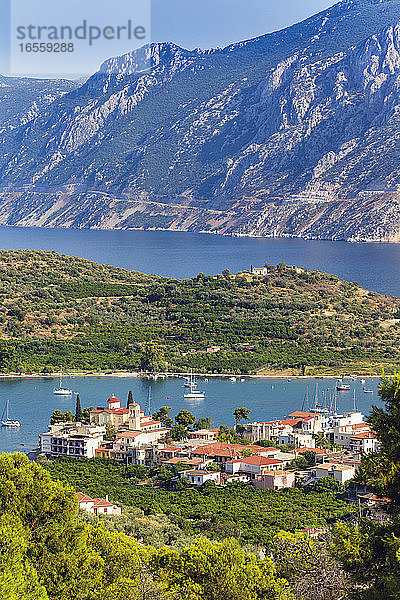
(252, 466)
(98, 506)
(72, 439)
(365, 441)
(342, 435)
(259, 270)
(299, 440)
(340, 473)
(113, 414)
(199, 476)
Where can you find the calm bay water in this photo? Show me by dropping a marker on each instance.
(375, 266)
(32, 400)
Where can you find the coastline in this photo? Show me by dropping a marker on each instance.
(227, 376)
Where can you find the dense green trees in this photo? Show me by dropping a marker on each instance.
(241, 414)
(67, 312)
(371, 549)
(78, 410)
(47, 553)
(236, 510)
(163, 415)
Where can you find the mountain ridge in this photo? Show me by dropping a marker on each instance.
(272, 136)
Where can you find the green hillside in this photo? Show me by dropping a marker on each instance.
(70, 313)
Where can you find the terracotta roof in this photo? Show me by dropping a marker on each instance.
(83, 497)
(169, 449)
(113, 399)
(225, 449)
(110, 411)
(148, 421)
(363, 436)
(100, 502)
(302, 414)
(291, 422)
(185, 461)
(260, 461)
(129, 434)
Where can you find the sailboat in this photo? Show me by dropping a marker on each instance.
(62, 391)
(194, 393)
(7, 422)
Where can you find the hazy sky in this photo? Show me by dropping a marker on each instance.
(196, 23)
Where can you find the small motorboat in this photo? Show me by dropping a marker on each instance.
(232, 379)
(342, 387)
(6, 421)
(367, 391)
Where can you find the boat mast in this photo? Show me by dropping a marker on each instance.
(149, 401)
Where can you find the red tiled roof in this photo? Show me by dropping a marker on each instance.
(224, 449)
(129, 434)
(364, 435)
(184, 461)
(100, 502)
(110, 411)
(260, 461)
(302, 414)
(83, 497)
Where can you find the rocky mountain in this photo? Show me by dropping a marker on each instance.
(22, 99)
(292, 133)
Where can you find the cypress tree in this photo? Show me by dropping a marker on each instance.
(130, 398)
(78, 410)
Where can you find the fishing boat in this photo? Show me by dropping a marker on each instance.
(194, 393)
(367, 391)
(62, 391)
(5, 419)
(342, 387)
(233, 379)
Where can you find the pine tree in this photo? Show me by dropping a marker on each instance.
(78, 410)
(130, 398)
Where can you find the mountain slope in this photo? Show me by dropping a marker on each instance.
(292, 133)
(22, 99)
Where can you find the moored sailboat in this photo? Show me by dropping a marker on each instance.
(5, 419)
(62, 391)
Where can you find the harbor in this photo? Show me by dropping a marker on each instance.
(32, 400)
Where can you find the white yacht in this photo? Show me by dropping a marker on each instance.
(62, 391)
(194, 393)
(5, 419)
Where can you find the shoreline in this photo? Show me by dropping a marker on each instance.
(227, 376)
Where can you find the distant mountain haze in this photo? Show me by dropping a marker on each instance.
(295, 133)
